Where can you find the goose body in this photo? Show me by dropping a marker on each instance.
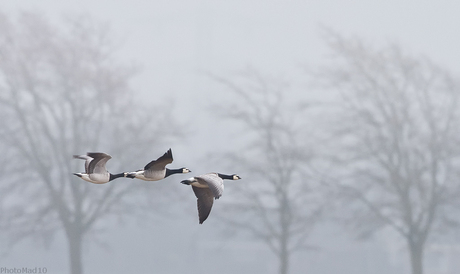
(156, 169)
(95, 170)
(208, 187)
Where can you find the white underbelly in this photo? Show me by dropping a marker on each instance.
(150, 175)
(97, 178)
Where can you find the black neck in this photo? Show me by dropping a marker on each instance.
(173, 171)
(114, 176)
(223, 176)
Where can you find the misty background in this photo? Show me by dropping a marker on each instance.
(253, 88)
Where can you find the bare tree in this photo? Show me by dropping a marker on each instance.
(278, 204)
(395, 138)
(63, 93)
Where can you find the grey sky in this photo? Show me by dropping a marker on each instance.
(173, 39)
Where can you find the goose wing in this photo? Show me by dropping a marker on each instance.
(87, 160)
(205, 199)
(214, 182)
(97, 165)
(161, 162)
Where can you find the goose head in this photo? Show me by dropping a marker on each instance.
(229, 177)
(236, 177)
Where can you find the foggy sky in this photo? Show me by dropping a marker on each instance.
(175, 42)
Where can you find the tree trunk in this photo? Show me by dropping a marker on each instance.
(75, 238)
(416, 257)
(284, 237)
(284, 261)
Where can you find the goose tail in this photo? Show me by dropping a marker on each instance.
(130, 175)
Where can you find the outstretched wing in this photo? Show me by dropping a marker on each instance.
(161, 162)
(205, 199)
(97, 165)
(87, 160)
(214, 182)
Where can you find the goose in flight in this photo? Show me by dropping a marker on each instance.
(95, 170)
(156, 169)
(208, 187)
